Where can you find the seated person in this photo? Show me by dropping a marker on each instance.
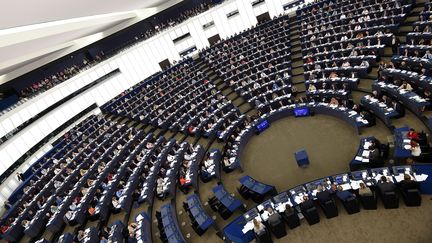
(289, 210)
(364, 190)
(408, 184)
(406, 86)
(334, 101)
(311, 88)
(374, 155)
(258, 228)
(306, 204)
(322, 195)
(413, 135)
(333, 75)
(343, 195)
(415, 149)
(385, 186)
(274, 217)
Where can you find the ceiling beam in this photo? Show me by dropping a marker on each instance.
(140, 14)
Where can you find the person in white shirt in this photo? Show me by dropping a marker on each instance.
(427, 55)
(346, 64)
(311, 88)
(415, 149)
(406, 86)
(258, 227)
(364, 64)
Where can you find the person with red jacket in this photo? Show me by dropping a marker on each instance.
(413, 135)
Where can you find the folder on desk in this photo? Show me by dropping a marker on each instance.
(355, 184)
(399, 177)
(346, 186)
(366, 153)
(421, 177)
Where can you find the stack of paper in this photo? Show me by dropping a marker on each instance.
(421, 177)
(346, 186)
(367, 145)
(399, 177)
(366, 153)
(355, 184)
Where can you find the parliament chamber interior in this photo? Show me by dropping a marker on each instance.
(217, 121)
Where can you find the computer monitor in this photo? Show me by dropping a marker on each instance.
(263, 125)
(301, 111)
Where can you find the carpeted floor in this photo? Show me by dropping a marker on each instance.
(330, 142)
(382, 225)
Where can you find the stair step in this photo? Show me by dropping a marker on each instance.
(405, 28)
(411, 19)
(388, 51)
(296, 56)
(298, 78)
(297, 71)
(297, 64)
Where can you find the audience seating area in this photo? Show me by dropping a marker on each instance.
(256, 63)
(345, 39)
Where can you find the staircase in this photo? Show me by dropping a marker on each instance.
(296, 56)
(237, 100)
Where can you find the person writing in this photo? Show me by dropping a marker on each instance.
(322, 194)
(408, 184)
(385, 186)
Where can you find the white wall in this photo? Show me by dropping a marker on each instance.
(136, 63)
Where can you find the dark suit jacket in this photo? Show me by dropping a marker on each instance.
(274, 219)
(398, 108)
(406, 185)
(306, 205)
(386, 187)
(323, 196)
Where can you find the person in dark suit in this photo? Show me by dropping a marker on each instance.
(322, 195)
(374, 154)
(395, 44)
(385, 186)
(398, 108)
(306, 204)
(343, 195)
(274, 218)
(408, 184)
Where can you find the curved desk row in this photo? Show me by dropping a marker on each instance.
(210, 167)
(240, 230)
(345, 114)
(409, 99)
(191, 175)
(251, 188)
(379, 109)
(362, 155)
(201, 221)
(167, 220)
